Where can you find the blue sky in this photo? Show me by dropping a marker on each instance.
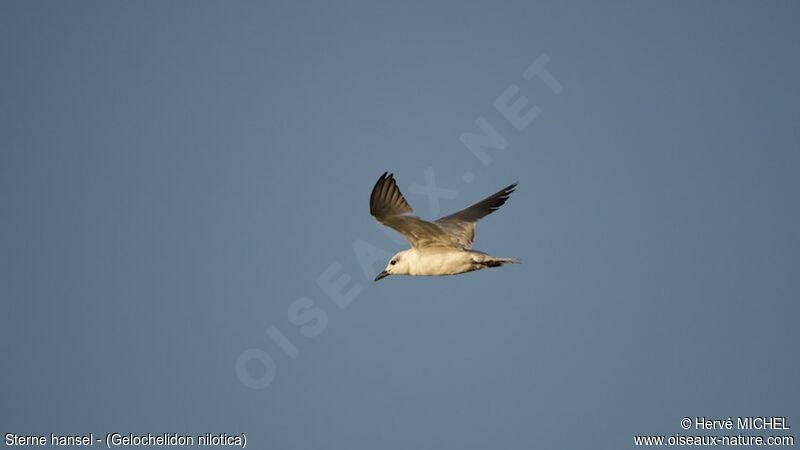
(175, 176)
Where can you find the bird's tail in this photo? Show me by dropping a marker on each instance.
(496, 262)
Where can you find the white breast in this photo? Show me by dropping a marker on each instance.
(438, 261)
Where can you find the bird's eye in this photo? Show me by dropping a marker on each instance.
(392, 262)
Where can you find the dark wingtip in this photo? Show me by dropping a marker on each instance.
(379, 189)
(510, 189)
(374, 192)
(506, 194)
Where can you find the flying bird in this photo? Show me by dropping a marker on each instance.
(441, 247)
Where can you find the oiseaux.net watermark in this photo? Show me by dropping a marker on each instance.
(740, 431)
(256, 368)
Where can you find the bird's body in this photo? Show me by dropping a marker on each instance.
(438, 248)
(440, 261)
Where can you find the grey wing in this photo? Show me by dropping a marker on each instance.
(461, 225)
(388, 206)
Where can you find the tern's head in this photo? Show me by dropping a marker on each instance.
(398, 265)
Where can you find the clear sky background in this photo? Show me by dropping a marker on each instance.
(175, 175)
